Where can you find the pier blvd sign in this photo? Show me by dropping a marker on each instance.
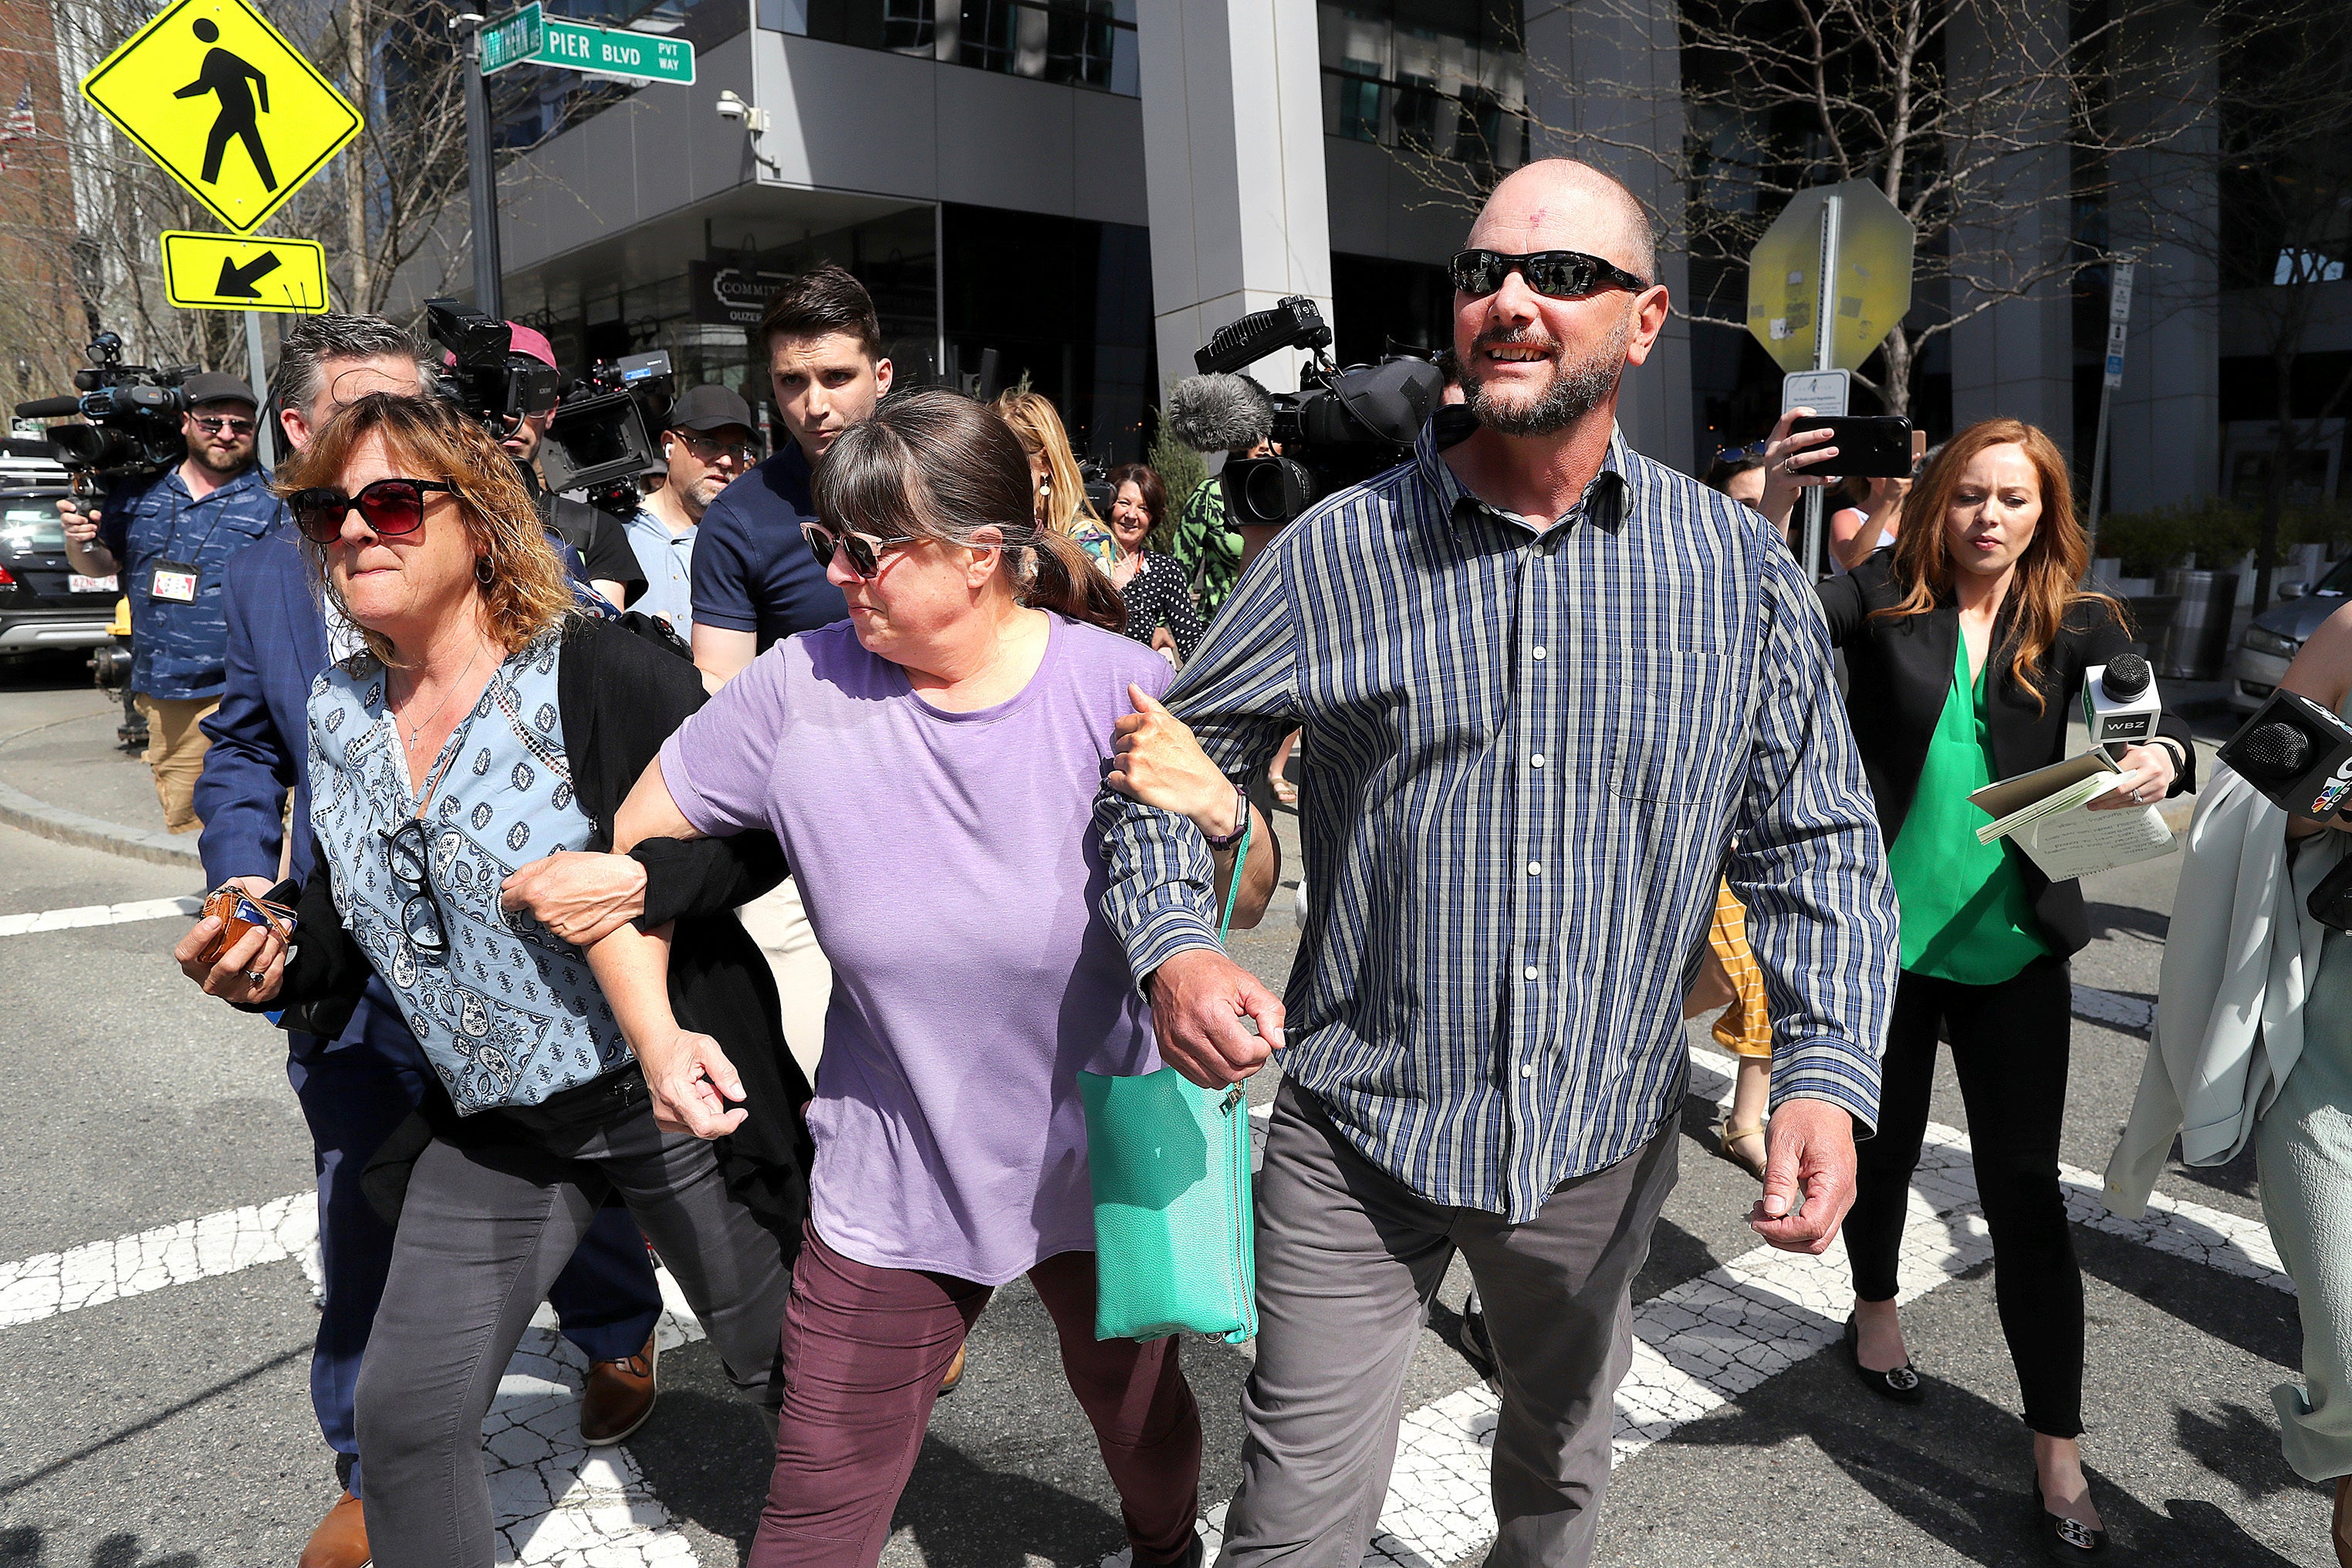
(531, 36)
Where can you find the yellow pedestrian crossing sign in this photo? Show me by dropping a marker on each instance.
(223, 273)
(215, 94)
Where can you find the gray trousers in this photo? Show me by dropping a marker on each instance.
(482, 1235)
(1349, 1259)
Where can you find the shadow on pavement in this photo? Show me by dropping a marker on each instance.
(26, 1547)
(2241, 1448)
(1991, 1521)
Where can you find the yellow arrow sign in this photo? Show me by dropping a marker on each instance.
(215, 94)
(221, 272)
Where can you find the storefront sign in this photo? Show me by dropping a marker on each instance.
(724, 293)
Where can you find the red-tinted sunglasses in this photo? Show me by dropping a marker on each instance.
(389, 508)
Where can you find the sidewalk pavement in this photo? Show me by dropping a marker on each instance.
(62, 777)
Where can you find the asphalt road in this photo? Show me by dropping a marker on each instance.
(173, 1427)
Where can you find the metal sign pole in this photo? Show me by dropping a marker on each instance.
(2119, 330)
(265, 442)
(1824, 358)
(481, 168)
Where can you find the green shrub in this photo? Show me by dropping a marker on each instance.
(2217, 533)
(2213, 530)
(1180, 467)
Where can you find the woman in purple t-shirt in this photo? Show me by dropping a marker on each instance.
(931, 768)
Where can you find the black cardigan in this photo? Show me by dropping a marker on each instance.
(1899, 672)
(621, 697)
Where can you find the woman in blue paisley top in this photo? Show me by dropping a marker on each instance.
(488, 724)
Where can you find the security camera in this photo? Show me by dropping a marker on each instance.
(730, 106)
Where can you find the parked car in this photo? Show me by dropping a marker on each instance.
(2277, 634)
(44, 603)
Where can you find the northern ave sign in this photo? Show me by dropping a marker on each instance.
(531, 36)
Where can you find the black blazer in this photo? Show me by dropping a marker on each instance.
(621, 697)
(1899, 672)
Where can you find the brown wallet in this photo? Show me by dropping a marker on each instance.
(239, 912)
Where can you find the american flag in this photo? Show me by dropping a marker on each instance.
(18, 126)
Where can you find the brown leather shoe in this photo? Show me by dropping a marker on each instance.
(341, 1539)
(954, 1376)
(620, 1395)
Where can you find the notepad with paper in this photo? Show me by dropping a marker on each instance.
(2044, 811)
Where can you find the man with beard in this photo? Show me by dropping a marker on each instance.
(707, 444)
(170, 539)
(1544, 680)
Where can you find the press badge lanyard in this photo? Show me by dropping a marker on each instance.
(173, 581)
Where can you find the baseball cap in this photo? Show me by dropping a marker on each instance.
(529, 341)
(212, 387)
(532, 342)
(709, 408)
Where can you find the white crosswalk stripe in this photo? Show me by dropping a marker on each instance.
(1698, 1346)
(97, 915)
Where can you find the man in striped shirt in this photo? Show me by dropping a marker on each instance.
(1543, 681)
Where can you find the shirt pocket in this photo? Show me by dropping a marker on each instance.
(1671, 724)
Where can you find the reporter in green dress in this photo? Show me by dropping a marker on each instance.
(1966, 643)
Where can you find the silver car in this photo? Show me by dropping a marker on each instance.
(2277, 634)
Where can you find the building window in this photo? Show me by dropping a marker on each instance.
(1445, 78)
(529, 104)
(1079, 43)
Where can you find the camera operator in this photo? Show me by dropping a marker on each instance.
(168, 539)
(602, 543)
(708, 444)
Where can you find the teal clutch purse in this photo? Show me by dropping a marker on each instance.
(1175, 1226)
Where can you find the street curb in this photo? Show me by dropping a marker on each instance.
(18, 810)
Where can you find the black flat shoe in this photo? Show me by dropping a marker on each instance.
(2066, 1540)
(1903, 1385)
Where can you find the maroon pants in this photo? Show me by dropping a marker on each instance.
(864, 1349)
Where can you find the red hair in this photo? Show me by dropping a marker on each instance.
(2048, 572)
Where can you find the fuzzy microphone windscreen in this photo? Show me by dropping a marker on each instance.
(1220, 413)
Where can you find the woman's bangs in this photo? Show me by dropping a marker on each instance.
(872, 492)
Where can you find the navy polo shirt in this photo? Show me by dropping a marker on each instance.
(179, 651)
(752, 570)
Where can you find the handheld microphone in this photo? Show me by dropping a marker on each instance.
(2119, 702)
(2296, 752)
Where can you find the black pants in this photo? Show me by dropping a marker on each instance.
(484, 1231)
(2008, 1048)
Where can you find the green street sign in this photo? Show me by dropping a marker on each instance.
(512, 40)
(529, 36)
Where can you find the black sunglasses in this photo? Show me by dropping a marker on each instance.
(863, 550)
(421, 919)
(389, 507)
(1556, 274)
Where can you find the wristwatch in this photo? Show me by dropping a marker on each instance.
(1241, 821)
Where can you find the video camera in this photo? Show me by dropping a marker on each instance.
(485, 378)
(600, 440)
(597, 440)
(1341, 427)
(133, 412)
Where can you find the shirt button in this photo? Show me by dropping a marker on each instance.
(1536, 760)
(1535, 867)
(1530, 971)
(1539, 652)
(1529, 1070)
